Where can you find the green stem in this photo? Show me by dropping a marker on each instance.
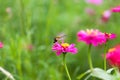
(64, 62)
(49, 20)
(105, 51)
(21, 16)
(89, 57)
(19, 65)
(117, 73)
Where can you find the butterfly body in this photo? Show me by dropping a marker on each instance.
(59, 38)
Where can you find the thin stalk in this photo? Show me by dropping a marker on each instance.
(19, 65)
(105, 51)
(48, 20)
(89, 57)
(21, 16)
(64, 62)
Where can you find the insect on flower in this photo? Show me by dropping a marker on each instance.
(60, 38)
(64, 48)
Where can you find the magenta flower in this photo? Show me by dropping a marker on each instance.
(116, 9)
(93, 37)
(64, 48)
(117, 46)
(113, 56)
(110, 36)
(1, 45)
(106, 15)
(95, 2)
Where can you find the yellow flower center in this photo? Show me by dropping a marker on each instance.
(109, 34)
(111, 50)
(65, 45)
(91, 31)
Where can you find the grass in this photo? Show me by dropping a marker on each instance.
(36, 23)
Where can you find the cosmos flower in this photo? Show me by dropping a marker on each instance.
(91, 36)
(95, 2)
(113, 56)
(116, 9)
(106, 16)
(1, 45)
(30, 47)
(9, 12)
(90, 11)
(64, 48)
(110, 36)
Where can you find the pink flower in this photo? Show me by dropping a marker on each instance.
(110, 36)
(9, 12)
(91, 36)
(30, 47)
(116, 9)
(90, 11)
(64, 48)
(106, 15)
(113, 56)
(95, 2)
(1, 45)
(117, 46)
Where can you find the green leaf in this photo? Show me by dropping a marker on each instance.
(101, 74)
(117, 74)
(83, 74)
(110, 70)
(87, 77)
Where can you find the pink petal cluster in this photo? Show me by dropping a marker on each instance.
(106, 15)
(91, 36)
(95, 2)
(110, 36)
(30, 47)
(1, 45)
(64, 48)
(113, 56)
(117, 46)
(90, 11)
(9, 12)
(116, 9)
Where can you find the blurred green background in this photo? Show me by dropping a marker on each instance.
(27, 30)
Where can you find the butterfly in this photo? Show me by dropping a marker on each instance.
(60, 38)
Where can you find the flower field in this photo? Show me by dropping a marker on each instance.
(59, 40)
